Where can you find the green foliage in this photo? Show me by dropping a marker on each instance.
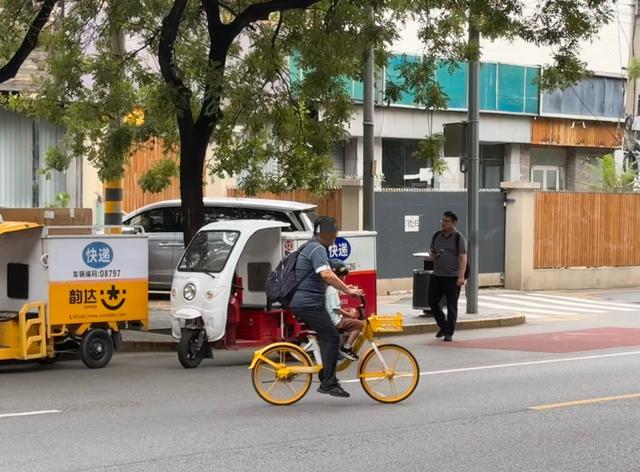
(159, 176)
(257, 117)
(62, 200)
(634, 69)
(56, 159)
(430, 150)
(604, 177)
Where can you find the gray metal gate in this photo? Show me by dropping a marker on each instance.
(395, 246)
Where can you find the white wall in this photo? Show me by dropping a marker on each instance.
(607, 54)
(411, 123)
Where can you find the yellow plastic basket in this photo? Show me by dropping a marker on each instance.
(386, 323)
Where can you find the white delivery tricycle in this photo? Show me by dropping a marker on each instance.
(218, 297)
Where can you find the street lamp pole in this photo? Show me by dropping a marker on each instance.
(368, 215)
(473, 163)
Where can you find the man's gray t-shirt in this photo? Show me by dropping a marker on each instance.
(311, 290)
(448, 264)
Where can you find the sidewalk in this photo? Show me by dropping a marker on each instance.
(159, 338)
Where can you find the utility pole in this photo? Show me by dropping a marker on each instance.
(630, 139)
(473, 163)
(368, 171)
(113, 189)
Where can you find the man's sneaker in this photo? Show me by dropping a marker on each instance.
(335, 391)
(440, 333)
(448, 338)
(348, 352)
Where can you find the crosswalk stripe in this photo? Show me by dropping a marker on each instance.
(526, 305)
(590, 301)
(560, 305)
(581, 302)
(522, 309)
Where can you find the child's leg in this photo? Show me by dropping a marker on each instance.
(353, 335)
(354, 328)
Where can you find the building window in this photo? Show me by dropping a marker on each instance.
(549, 177)
(491, 165)
(400, 168)
(602, 97)
(503, 87)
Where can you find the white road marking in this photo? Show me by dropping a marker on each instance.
(29, 413)
(536, 305)
(556, 304)
(514, 307)
(520, 364)
(590, 301)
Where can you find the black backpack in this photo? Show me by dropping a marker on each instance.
(282, 283)
(457, 236)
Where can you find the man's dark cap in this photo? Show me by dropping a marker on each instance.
(325, 224)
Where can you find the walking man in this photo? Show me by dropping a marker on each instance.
(449, 253)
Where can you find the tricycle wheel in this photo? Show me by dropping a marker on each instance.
(190, 352)
(96, 348)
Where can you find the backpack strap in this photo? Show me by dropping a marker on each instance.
(311, 271)
(433, 239)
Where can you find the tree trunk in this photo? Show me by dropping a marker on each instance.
(193, 151)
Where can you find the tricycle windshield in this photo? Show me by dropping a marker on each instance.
(208, 251)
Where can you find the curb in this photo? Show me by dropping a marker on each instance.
(409, 329)
(483, 323)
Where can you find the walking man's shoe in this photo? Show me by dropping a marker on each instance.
(440, 333)
(448, 338)
(335, 391)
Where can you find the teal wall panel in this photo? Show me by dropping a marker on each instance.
(392, 74)
(532, 91)
(511, 80)
(488, 86)
(454, 84)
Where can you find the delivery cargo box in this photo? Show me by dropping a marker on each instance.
(51, 217)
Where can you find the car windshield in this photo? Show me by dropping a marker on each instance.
(308, 218)
(208, 252)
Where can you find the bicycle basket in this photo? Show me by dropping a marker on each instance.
(386, 323)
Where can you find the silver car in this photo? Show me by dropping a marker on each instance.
(163, 222)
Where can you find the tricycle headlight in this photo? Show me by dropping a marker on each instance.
(189, 292)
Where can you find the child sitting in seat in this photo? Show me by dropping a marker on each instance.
(345, 319)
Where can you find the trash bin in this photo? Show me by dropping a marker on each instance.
(421, 289)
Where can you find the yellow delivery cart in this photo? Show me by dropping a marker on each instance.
(69, 292)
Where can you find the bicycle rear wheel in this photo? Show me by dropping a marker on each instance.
(277, 389)
(394, 384)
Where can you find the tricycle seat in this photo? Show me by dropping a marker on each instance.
(8, 315)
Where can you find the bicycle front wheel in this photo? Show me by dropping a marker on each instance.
(277, 389)
(397, 381)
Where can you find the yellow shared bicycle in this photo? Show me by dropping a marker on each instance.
(282, 372)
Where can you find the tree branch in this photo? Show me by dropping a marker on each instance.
(29, 43)
(169, 69)
(261, 11)
(212, 10)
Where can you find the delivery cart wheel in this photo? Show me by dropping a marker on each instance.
(192, 349)
(96, 348)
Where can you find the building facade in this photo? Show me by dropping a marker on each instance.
(526, 134)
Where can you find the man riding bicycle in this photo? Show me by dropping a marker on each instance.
(313, 272)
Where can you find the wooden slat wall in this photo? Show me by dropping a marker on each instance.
(141, 161)
(558, 132)
(328, 205)
(586, 230)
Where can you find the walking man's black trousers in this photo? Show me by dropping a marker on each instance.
(448, 287)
